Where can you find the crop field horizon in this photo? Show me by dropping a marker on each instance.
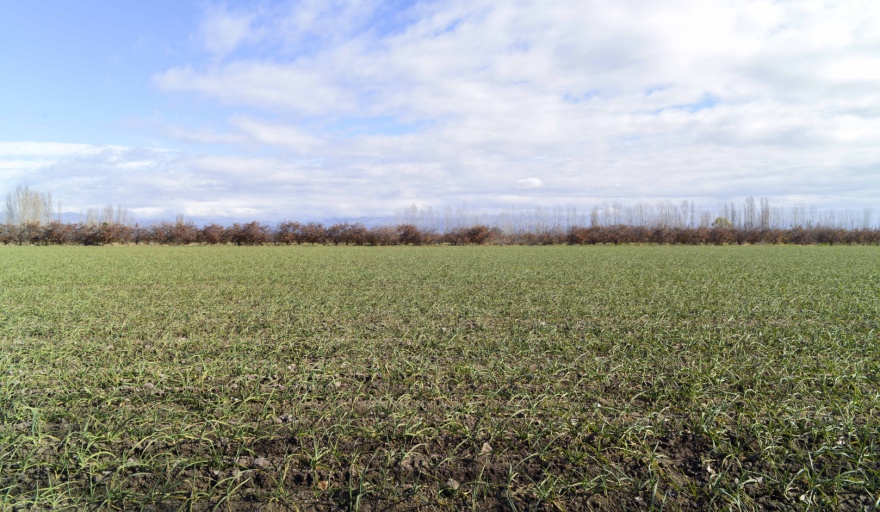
(433, 378)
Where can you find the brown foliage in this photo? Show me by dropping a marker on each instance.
(382, 235)
(184, 232)
(313, 233)
(212, 234)
(408, 234)
(355, 234)
(181, 232)
(57, 233)
(288, 233)
(7, 234)
(252, 233)
(475, 235)
(103, 234)
(722, 236)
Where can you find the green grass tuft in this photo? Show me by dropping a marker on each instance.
(557, 378)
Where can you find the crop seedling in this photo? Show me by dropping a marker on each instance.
(561, 377)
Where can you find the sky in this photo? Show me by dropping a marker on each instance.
(315, 109)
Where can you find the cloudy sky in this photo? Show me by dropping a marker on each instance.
(314, 109)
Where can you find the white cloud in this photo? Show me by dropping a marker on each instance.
(301, 89)
(285, 136)
(223, 31)
(530, 183)
(331, 103)
(47, 149)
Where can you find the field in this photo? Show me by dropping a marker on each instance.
(421, 378)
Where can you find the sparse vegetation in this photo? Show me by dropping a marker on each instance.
(521, 378)
(287, 233)
(29, 221)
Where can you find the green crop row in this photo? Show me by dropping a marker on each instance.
(523, 378)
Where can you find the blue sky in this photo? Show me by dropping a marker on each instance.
(311, 109)
(79, 71)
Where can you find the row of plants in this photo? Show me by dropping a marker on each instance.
(614, 378)
(295, 233)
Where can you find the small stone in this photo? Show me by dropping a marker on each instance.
(486, 449)
(149, 385)
(261, 463)
(453, 484)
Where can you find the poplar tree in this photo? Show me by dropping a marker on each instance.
(26, 206)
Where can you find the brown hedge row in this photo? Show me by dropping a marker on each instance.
(289, 233)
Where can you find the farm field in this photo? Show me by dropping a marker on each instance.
(422, 378)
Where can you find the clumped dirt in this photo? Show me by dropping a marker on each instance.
(499, 381)
(391, 453)
(362, 473)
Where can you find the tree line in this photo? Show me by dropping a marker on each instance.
(184, 232)
(751, 214)
(32, 219)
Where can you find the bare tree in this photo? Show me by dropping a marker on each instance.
(765, 213)
(749, 214)
(109, 214)
(26, 206)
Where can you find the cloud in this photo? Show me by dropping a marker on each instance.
(223, 31)
(85, 176)
(289, 137)
(333, 108)
(47, 149)
(300, 89)
(530, 183)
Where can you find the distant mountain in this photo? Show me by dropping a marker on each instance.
(74, 218)
(366, 221)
